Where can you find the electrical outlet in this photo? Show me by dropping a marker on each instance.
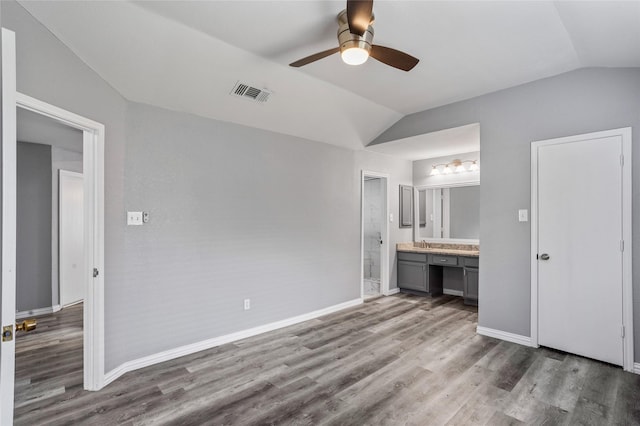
(247, 304)
(134, 218)
(523, 215)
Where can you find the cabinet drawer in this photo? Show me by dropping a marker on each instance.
(439, 259)
(412, 257)
(473, 262)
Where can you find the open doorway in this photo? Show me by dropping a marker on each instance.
(374, 235)
(50, 243)
(50, 256)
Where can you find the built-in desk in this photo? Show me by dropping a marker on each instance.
(422, 272)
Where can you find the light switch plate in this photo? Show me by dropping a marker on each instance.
(134, 218)
(523, 215)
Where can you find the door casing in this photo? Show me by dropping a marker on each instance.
(627, 299)
(93, 171)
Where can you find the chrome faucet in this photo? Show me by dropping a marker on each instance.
(424, 244)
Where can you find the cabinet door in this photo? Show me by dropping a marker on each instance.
(471, 286)
(406, 206)
(412, 275)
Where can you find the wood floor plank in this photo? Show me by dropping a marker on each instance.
(362, 402)
(626, 410)
(501, 419)
(510, 373)
(398, 360)
(484, 403)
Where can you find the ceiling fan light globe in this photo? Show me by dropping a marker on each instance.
(354, 56)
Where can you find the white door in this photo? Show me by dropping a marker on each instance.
(71, 236)
(9, 178)
(580, 229)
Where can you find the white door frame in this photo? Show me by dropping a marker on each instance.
(93, 171)
(627, 284)
(384, 258)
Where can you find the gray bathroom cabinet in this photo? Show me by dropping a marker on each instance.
(423, 273)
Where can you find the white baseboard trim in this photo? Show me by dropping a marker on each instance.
(38, 312)
(636, 367)
(217, 341)
(77, 302)
(503, 335)
(392, 291)
(452, 292)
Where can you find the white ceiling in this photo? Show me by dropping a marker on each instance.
(187, 55)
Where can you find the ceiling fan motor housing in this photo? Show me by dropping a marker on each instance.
(348, 40)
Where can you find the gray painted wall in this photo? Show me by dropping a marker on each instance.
(235, 213)
(33, 243)
(464, 211)
(581, 101)
(61, 159)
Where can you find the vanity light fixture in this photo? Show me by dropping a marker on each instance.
(455, 166)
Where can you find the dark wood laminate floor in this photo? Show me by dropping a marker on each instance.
(400, 360)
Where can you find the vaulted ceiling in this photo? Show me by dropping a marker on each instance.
(188, 55)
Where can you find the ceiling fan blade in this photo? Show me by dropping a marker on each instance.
(393, 57)
(359, 15)
(314, 57)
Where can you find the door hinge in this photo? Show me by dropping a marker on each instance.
(95, 272)
(621, 245)
(622, 331)
(621, 159)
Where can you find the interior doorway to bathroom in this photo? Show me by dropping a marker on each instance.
(375, 252)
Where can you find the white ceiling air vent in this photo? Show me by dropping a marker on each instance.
(246, 91)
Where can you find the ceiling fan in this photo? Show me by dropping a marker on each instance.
(355, 37)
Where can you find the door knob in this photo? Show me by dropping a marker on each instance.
(544, 256)
(27, 325)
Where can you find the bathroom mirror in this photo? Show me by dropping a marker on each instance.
(448, 213)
